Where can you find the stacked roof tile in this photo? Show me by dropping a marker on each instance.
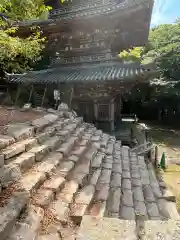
(56, 169)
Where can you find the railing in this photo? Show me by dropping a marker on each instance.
(143, 148)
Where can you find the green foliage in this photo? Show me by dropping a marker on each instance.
(24, 9)
(165, 48)
(132, 55)
(20, 54)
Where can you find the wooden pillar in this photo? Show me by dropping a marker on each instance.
(45, 90)
(112, 115)
(17, 94)
(30, 95)
(96, 112)
(71, 96)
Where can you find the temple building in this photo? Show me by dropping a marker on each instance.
(84, 40)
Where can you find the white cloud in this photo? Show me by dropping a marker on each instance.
(160, 15)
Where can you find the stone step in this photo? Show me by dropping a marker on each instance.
(40, 123)
(160, 230)
(18, 148)
(52, 143)
(40, 152)
(20, 131)
(11, 212)
(81, 201)
(28, 227)
(67, 146)
(36, 176)
(106, 228)
(6, 141)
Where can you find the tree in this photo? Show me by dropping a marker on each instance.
(20, 54)
(165, 42)
(133, 55)
(24, 9)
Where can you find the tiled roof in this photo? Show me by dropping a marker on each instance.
(90, 12)
(57, 168)
(87, 73)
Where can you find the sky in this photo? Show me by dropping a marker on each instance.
(165, 11)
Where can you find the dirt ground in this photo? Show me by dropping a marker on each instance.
(168, 141)
(10, 115)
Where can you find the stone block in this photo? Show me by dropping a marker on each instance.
(98, 160)
(60, 210)
(106, 229)
(85, 195)
(52, 143)
(43, 197)
(66, 194)
(110, 148)
(51, 118)
(114, 200)
(152, 210)
(39, 124)
(126, 175)
(32, 181)
(1, 160)
(115, 180)
(148, 193)
(97, 209)
(5, 141)
(67, 146)
(138, 194)
(40, 152)
(168, 195)
(161, 230)
(127, 213)
(102, 192)
(10, 213)
(28, 227)
(20, 131)
(8, 174)
(79, 150)
(49, 164)
(127, 198)
(117, 167)
(140, 210)
(54, 183)
(105, 176)
(126, 184)
(95, 177)
(25, 161)
(13, 150)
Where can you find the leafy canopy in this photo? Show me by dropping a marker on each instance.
(133, 54)
(20, 54)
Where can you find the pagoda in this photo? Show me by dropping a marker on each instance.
(84, 39)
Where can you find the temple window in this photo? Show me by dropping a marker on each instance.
(66, 48)
(97, 30)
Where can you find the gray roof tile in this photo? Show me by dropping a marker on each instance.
(86, 73)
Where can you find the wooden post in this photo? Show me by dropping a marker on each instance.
(44, 95)
(30, 95)
(112, 114)
(71, 96)
(156, 157)
(17, 94)
(95, 112)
